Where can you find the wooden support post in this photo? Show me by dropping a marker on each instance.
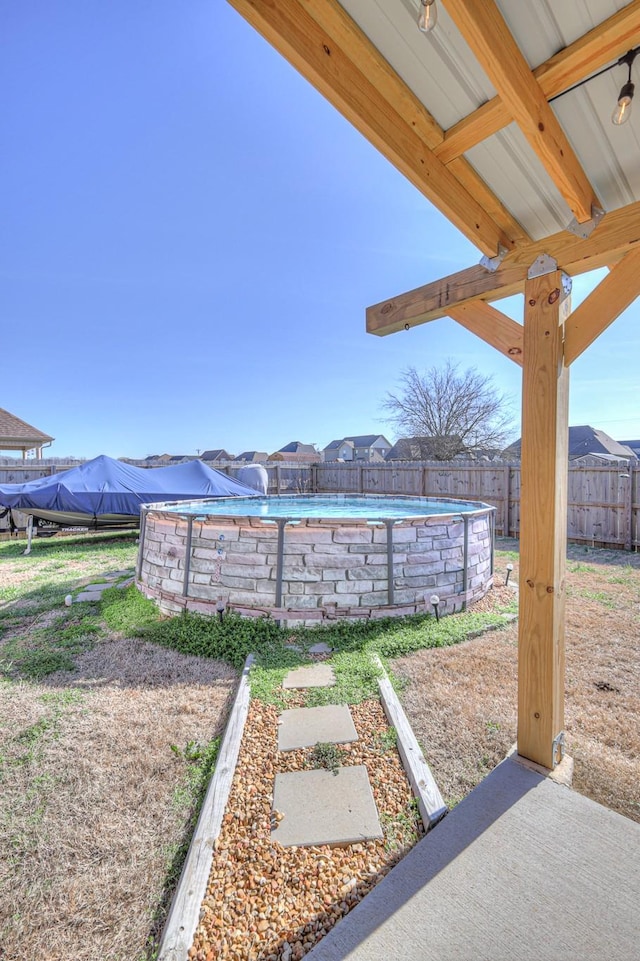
(543, 522)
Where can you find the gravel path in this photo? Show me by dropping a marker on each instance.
(265, 902)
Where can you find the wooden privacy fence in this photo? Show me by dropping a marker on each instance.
(603, 504)
(604, 498)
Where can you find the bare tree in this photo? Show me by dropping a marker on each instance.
(447, 412)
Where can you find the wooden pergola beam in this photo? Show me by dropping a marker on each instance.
(328, 48)
(597, 48)
(614, 293)
(617, 234)
(492, 326)
(485, 30)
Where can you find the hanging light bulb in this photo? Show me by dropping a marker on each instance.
(622, 110)
(428, 15)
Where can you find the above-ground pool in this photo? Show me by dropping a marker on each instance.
(309, 557)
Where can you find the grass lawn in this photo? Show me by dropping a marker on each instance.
(110, 718)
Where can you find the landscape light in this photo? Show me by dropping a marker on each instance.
(435, 600)
(509, 569)
(220, 608)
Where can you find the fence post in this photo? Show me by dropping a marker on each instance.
(628, 511)
(507, 498)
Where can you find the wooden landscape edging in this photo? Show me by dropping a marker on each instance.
(430, 802)
(184, 913)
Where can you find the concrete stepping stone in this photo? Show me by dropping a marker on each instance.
(317, 675)
(306, 726)
(319, 807)
(320, 648)
(88, 596)
(97, 587)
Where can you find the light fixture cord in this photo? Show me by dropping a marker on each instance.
(628, 58)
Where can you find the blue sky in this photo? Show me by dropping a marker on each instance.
(191, 235)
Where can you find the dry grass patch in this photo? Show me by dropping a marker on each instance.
(94, 803)
(462, 701)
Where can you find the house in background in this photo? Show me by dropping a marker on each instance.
(427, 448)
(156, 459)
(211, 456)
(252, 457)
(634, 445)
(339, 450)
(585, 441)
(16, 434)
(297, 452)
(364, 447)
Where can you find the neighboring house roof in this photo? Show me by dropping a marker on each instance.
(16, 434)
(219, 454)
(584, 440)
(367, 440)
(362, 440)
(253, 456)
(296, 447)
(335, 444)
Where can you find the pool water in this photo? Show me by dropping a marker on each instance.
(371, 507)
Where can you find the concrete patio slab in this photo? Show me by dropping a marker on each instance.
(317, 675)
(306, 726)
(522, 868)
(320, 807)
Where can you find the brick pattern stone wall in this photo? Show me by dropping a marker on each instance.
(330, 569)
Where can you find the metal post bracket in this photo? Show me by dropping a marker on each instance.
(558, 748)
(544, 264)
(586, 229)
(492, 263)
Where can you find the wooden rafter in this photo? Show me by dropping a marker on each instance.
(617, 234)
(492, 326)
(483, 27)
(612, 295)
(597, 48)
(325, 45)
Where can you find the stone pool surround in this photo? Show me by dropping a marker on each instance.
(330, 568)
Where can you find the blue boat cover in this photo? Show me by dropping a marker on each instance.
(107, 486)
